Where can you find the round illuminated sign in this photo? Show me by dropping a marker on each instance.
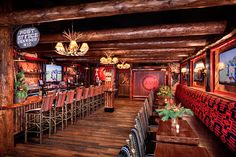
(150, 82)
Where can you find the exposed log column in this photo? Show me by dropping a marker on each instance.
(6, 67)
(6, 90)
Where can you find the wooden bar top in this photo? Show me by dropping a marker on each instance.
(175, 150)
(186, 135)
(29, 100)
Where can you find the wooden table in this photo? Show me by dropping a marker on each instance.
(176, 150)
(168, 134)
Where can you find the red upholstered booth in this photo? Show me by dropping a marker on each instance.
(218, 114)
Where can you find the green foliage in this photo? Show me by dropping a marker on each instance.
(173, 111)
(20, 86)
(164, 91)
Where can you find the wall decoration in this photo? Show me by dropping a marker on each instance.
(27, 37)
(227, 67)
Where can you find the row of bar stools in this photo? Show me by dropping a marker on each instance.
(68, 106)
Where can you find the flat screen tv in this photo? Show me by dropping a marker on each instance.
(53, 73)
(197, 74)
(227, 64)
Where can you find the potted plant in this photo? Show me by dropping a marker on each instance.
(21, 89)
(173, 112)
(164, 92)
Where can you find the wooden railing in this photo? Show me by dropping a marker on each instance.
(19, 112)
(12, 121)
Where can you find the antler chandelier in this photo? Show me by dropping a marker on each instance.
(123, 65)
(108, 59)
(73, 49)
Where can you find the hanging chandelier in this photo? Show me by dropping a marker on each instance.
(73, 49)
(123, 65)
(108, 59)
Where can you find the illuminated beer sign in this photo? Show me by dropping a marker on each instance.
(27, 37)
(150, 82)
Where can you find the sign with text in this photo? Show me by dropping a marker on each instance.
(27, 37)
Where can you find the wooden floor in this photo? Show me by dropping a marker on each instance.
(101, 134)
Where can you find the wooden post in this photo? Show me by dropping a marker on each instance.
(208, 72)
(6, 131)
(6, 67)
(6, 90)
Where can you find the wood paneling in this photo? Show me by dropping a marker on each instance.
(124, 82)
(144, 80)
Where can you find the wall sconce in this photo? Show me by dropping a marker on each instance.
(184, 71)
(221, 66)
(200, 67)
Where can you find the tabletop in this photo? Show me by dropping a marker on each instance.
(176, 150)
(186, 135)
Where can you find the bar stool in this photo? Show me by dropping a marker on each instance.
(95, 102)
(69, 106)
(91, 99)
(85, 107)
(38, 120)
(59, 112)
(78, 102)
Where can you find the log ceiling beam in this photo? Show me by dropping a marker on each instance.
(129, 60)
(165, 30)
(140, 44)
(106, 8)
(132, 44)
(162, 51)
(145, 51)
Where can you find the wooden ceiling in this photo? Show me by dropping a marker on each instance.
(140, 31)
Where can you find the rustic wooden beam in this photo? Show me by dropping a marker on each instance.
(144, 51)
(147, 52)
(165, 30)
(132, 44)
(153, 43)
(106, 8)
(131, 60)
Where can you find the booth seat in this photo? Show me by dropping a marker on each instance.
(218, 114)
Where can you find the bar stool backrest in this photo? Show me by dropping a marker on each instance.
(86, 92)
(46, 103)
(61, 99)
(96, 90)
(70, 96)
(91, 93)
(79, 92)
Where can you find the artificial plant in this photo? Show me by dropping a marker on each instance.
(164, 91)
(20, 85)
(173, 111)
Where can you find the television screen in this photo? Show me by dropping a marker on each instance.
(197, 75)
(53, 73)
(227, 67)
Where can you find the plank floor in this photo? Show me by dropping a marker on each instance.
(101, 134)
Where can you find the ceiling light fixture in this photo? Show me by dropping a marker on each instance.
(108, 59)
(73, 48)
(123, 65)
